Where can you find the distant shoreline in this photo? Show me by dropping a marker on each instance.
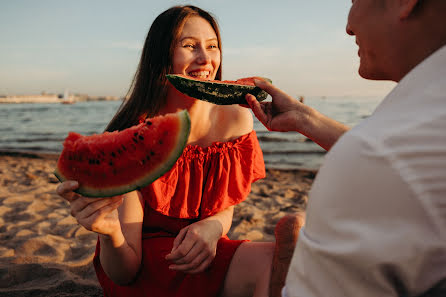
(53, 98)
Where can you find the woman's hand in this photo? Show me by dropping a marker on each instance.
(99, 215)
(195, 246)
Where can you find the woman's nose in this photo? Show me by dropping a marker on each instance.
(203, 56)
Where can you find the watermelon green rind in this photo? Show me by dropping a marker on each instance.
(216, 92)
(147, 179)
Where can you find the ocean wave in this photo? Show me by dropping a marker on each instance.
(33, 109)
(31, 139)
(30, 149)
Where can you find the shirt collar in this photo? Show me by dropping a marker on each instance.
(431, 70)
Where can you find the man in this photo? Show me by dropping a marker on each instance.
(376, 218)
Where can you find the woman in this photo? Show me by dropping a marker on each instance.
(169, 239)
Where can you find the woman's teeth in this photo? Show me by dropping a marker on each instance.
(199, 74)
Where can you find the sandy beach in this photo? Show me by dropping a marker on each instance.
(44, 252)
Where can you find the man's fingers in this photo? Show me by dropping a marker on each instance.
(267, 87)
(258, 108)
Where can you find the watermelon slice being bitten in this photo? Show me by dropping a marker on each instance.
(219, 92)
(114, 163)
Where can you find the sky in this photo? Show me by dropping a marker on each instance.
(93, 46)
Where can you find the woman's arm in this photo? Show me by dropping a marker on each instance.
(121, 251)
(118, 221)
(224, 218)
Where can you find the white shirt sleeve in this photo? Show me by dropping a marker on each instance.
(367, 233)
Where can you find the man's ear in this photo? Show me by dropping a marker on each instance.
(407, 7)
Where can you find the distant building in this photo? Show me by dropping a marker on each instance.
(43, 98)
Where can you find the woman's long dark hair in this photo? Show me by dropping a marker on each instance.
(148, 90)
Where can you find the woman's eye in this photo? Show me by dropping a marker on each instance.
(189, 45)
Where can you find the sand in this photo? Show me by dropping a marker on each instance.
(44, 252)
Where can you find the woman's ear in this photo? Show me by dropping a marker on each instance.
(407, 7)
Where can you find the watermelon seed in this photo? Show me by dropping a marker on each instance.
(142, 162)
(148, 158)
(98, 162)
(160, 142)
(113, 154)
(152, 153)
(149, 123)
(141, 137)
(135, 134)
(110, 163)
(119, 151)
(135, 140)
(123, 147)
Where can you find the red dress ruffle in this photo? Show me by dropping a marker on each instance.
(203, 182)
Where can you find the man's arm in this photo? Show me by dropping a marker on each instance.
(285, 113)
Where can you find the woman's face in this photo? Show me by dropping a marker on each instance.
(197, 53)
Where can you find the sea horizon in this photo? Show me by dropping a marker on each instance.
(42, 127)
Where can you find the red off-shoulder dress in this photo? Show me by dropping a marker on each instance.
(203, 182)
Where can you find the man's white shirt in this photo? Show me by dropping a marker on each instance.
(376, 217)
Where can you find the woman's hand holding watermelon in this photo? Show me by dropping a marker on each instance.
(195, 246)
(99, 215)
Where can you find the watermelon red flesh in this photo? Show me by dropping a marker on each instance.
(114, 163)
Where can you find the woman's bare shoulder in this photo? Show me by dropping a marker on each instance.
(237, 120)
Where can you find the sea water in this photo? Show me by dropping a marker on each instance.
(43, 127)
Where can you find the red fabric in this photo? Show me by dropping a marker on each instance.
(203, 182)
(156, 279)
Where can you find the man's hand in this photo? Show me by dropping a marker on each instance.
(282, 114)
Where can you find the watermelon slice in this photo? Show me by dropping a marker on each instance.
(216, 91)
(114, 163)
